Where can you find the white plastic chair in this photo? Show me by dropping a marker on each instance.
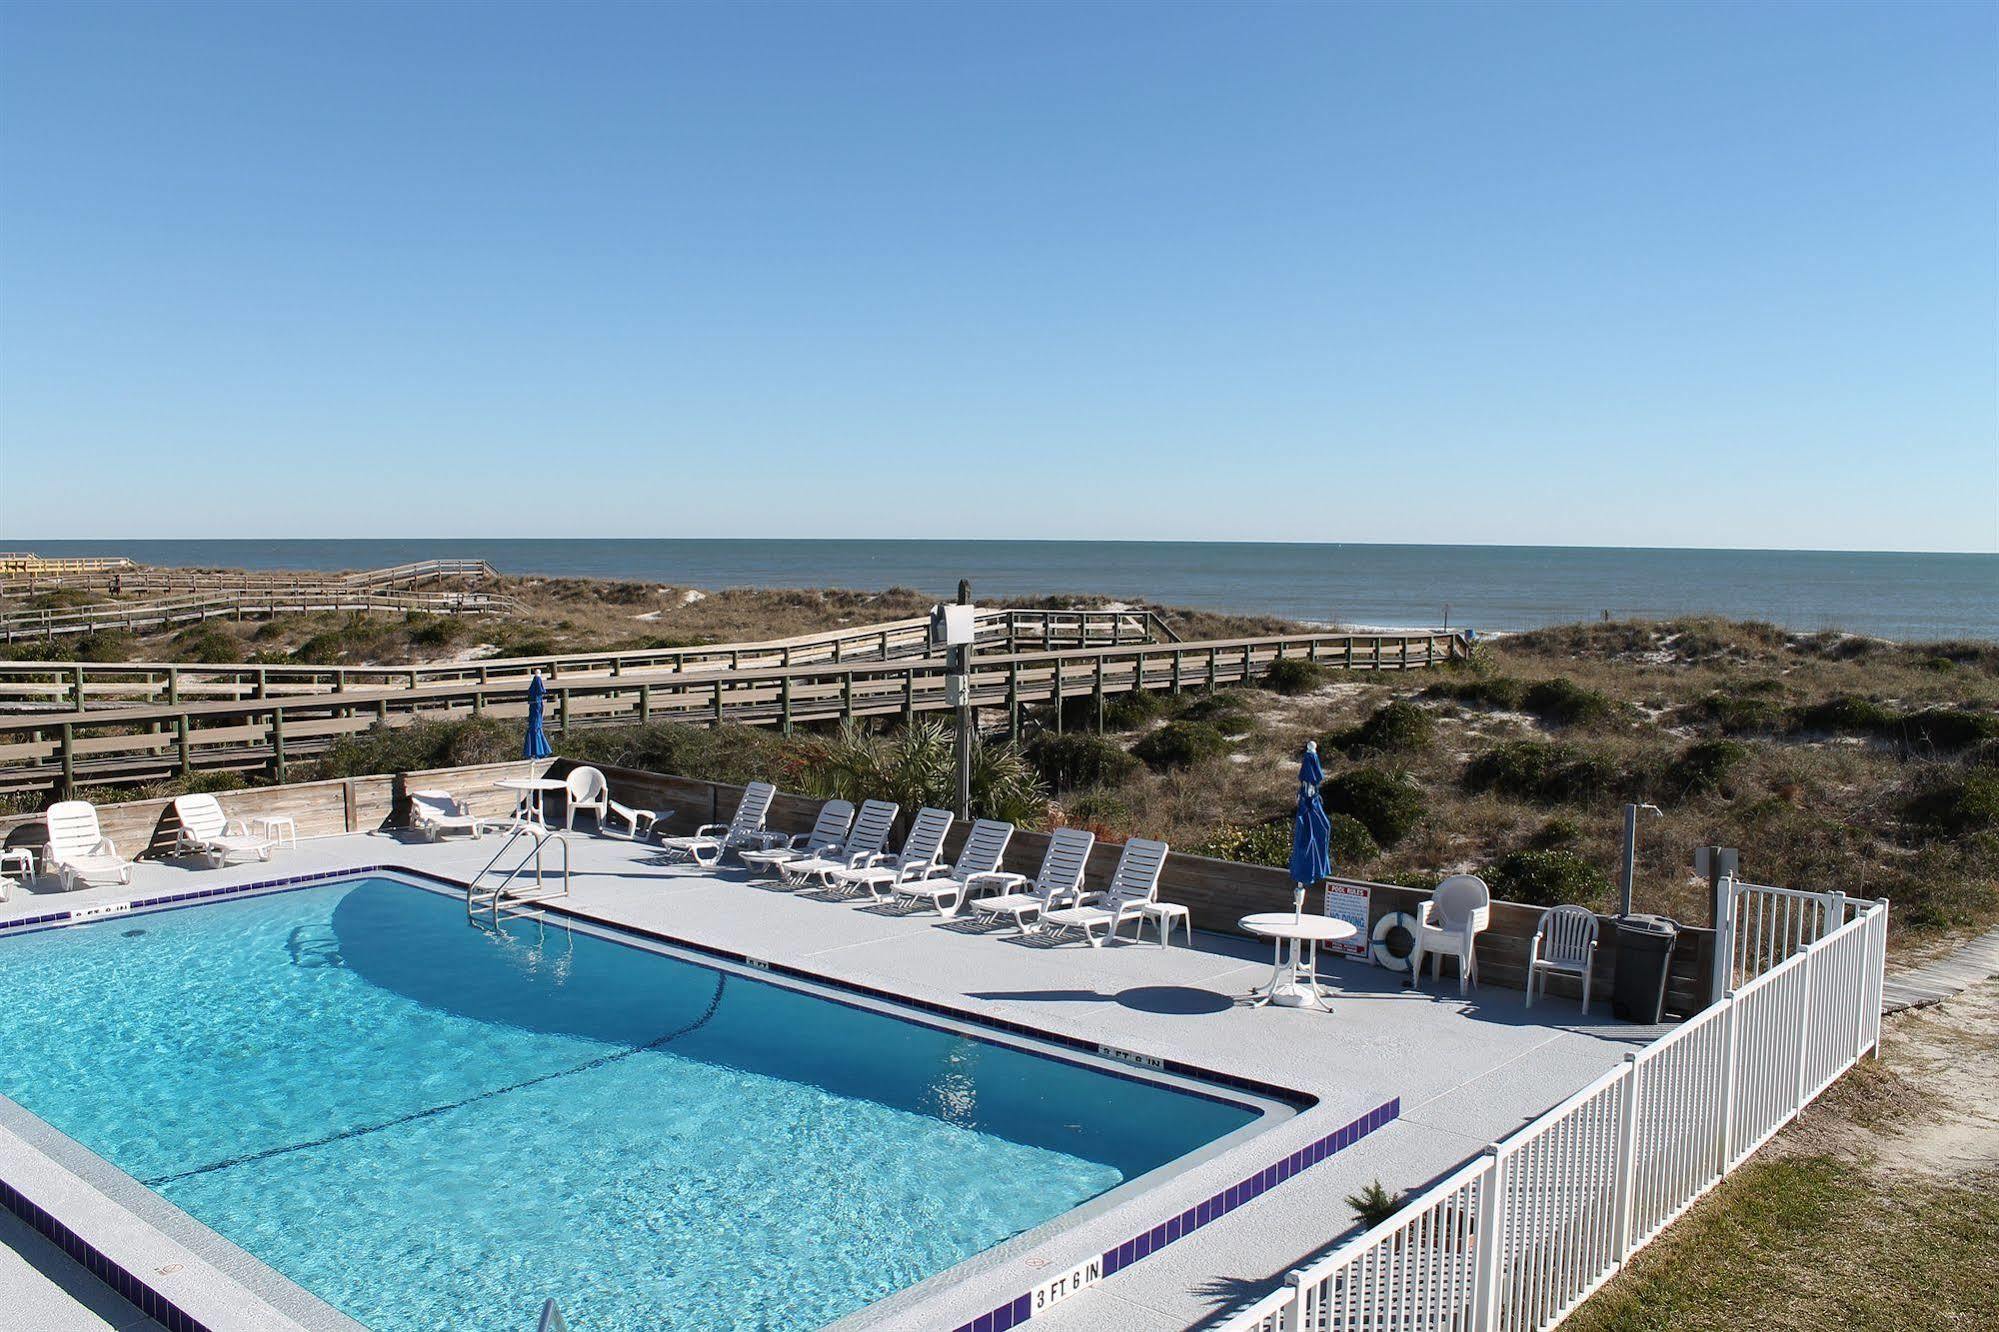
(79, 852)
(1448, 925)
(829, 829)
(861, 846)
(712, 841)
(588, 793)
(1565, 941)
(206, 831)
(1134, 884)
(915, 860)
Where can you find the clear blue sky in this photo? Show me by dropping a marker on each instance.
(1663, 274)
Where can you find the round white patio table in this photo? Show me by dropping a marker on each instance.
(1294, 980)
(531, 790)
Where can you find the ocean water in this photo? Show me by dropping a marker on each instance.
(1903, 596)
(431, 1126)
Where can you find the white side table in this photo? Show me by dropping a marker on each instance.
(1164, 915)
(1294, 981)
(281, 829)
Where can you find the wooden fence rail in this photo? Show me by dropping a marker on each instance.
(76, 686)
(28, 574)
(62, 750)
(241, 605)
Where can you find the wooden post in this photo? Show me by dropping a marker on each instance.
(278, 744)
(645, 705)
(1177, 654)
(1100, 693)
(847, 696)
(1056, 685)
(68, 761)
(173, 684)
(562, 711)
(180, 739)
(718, 703)
(1013, 700)
(79, 687)
(909, 696)
(1214, 672)
(784, 699)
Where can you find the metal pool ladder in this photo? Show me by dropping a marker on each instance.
(501, 900)
(551, 1319)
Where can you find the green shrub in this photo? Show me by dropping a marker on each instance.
(105, 645)
(437, 631)
(1179, 743)
(1547, 878)
(1566, 703)
(1254, 844)
(1293, 675)
(206, 643)
(1067, 762)
(1229, 712)
(1488, 691)
(1555, 834)
(1705, 766)
(1545, 773)
(1736, 713)
(1948, 729)
(1349, 842)
(1386, 803)
(421, 745)
(1099, 805)
(916, 765)
(1122, 712)
(1956, 804)
(1843, 714)
(1394, 728)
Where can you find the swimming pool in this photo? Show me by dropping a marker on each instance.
(431, 1125)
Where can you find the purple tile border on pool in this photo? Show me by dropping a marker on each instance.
(1023, 1307)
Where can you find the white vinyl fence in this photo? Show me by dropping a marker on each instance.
(1514, 1240)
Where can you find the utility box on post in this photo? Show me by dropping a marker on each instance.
(952, 626)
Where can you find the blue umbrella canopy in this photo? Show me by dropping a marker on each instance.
(534, 745)
(1311, 830)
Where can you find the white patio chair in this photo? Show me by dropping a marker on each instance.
(435, 813)
(1132, 888)
(1058, 881)
(206, 831)
(712, 841)
(919, 855)
(79, 852)
(586, 792)
(946, 888)
(829, 829)
(1565, 941)
(861, 846)
(1448, 925)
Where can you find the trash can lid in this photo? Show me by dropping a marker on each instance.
(1648, 925)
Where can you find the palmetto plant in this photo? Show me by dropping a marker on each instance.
(917, 765)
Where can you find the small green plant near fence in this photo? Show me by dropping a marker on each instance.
(1252, 844)
(1386, 803)
(1122, 712)
(1179, 743)
(1374, 1204)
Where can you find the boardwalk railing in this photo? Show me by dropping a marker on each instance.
(134, 744)
(161, 613)
(27, 574)
(1517, 1238)
(40, 685)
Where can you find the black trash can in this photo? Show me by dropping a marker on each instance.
(1644, 959)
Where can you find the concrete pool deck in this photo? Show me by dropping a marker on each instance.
(1465, 1071)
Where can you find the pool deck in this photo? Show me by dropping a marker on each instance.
(1465, 1071)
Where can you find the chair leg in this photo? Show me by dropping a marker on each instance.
(1586, 979)
(1532, 972)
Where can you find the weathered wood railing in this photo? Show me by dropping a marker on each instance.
(76, 685)
(64, 749)
(240, 605)
(132, 579)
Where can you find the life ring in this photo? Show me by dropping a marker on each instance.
(1396, 930)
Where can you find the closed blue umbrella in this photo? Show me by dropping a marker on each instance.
(1311, 830)
(534, 745)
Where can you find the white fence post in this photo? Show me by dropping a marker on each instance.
(1724, 936)
(1730, 1072)
(1811, 951)
(1486, 1263)
(1627, 1161)
(1291, 1318)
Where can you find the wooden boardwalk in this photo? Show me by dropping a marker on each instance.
(1934, 982)
(122, 744)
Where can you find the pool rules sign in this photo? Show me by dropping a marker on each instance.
(1347, 900)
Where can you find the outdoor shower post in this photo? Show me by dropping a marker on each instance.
(961, 662)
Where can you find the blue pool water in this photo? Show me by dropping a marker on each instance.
(430, 1126)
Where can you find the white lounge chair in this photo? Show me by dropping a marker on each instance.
(829, 829)
(712, 841)
(947, 888)
(1565, 941)
(1059, 879)
(1133, 886)
(79, 852)
(919, 855)
(436, 813)
(589, 793)
(206, 831)
(861, 846)
(1448, 925)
